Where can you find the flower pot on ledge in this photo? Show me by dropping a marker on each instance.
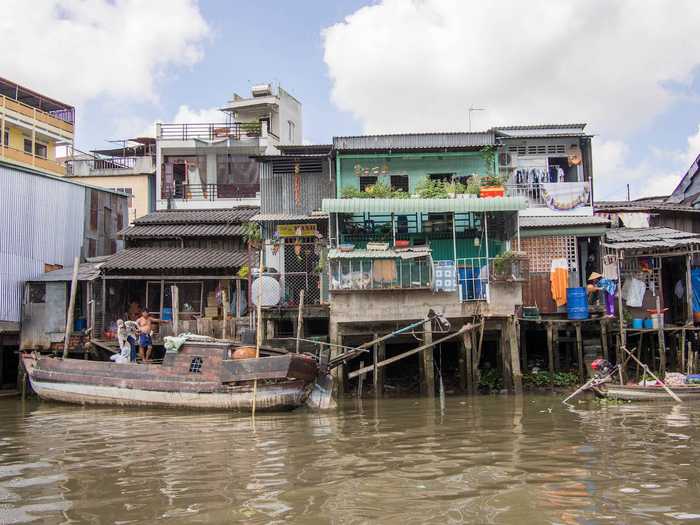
(492, 191)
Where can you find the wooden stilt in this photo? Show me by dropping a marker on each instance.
(379, 355)
(428, 379)
(640, 347)
(604, 338)
(579, 352)
(515, 357)
(662, 351)
(555, 347)
(505, 355)
(550, 353)
(360, 380)
(476, 371)
(466, 364)
(523, 346)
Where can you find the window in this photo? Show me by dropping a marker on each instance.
(28, 146)
(196, 365)
(37, 293)
(367, 181)
(6, 139)
(41, 150)
(399, 182)
(445, 177)
(290, 126)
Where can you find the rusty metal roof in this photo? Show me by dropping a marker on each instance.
(168, 231)
(562, 220)
(87, 271)
(641, 238)
(647, 205)
(235, 215)
(168, 259)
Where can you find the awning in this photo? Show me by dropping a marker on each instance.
(402, 206)
(87, 271)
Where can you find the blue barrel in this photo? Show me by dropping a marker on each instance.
(167, 314)
(79, 325)
(576, 303)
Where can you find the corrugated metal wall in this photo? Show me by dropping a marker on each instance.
(277, 190)
(41, 221)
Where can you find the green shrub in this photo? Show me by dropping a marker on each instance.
(542, 379)
(490, 379)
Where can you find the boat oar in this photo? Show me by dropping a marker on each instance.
(589, 384)
(646, 369)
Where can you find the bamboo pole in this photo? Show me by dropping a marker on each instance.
(647, 370)
(71, 307)
(300, 319)
(258, 333)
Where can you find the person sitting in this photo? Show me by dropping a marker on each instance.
(592, 288)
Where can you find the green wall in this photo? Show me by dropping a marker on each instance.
(416, 166)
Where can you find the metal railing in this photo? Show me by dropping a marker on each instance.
(473, 278)
(65, 115)
(209, 192)
(536, 195)
(378, 274)
(211, 131)
(29, 159)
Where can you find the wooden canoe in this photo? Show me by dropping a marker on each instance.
(646, 393)
(200, 375)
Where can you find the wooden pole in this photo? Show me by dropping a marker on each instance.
(604, 338)
(427, 357)
(71, 306)
(476, 372)
(579, 349)
(515, 356)
(224, 309)
(647, 370)
(466, 372)
(681, 346)
(523, 346)
(175, 298)
(360, 380)
(258, 330)
(300, 320)
(550, 353)
(689, 288)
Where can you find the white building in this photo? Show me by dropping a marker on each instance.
(208, 165)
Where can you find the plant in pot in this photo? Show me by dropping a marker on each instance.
(252, 233)
(431, 189)
(491, 183)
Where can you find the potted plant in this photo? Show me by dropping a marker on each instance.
(491, 184)
(252, 233)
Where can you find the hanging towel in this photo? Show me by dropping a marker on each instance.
(559, 280)
(633, 292)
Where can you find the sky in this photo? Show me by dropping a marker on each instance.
(629, 68)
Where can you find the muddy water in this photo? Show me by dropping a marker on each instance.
(484, 460)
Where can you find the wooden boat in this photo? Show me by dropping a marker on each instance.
(645, 393)
(200, 375)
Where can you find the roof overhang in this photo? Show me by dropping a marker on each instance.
(402, 206)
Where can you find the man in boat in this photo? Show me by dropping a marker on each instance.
(145, 324)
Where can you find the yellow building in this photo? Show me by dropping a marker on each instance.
(31, 127)
(129, 169)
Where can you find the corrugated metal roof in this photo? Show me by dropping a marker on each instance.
(424, 205)
(182, 230)
(165, 259)
(305, 149)
(577, 125)
(279, 217)
(636, 238)
(86, 272)
(541, 130)
(231, 216)
(562, 220)
(408, 253)
(410, 141)
(649, 206)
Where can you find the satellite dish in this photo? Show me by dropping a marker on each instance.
(271, 291)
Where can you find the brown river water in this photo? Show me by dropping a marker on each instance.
(483, 459)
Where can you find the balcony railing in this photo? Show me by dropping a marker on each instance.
(236, 131)
(558, 195)
(209, 192)
(27, 159)
(380, 274)
(62, 118)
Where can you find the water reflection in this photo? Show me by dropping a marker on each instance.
(484, 460)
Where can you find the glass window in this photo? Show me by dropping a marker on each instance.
(28, 146)
(366, 182)
(40, 150)
(37, 293)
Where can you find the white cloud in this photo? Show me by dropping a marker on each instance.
(402, 66)
(76, 51)
(130, 126)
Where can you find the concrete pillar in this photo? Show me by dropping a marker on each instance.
(426, 357)
(338, 373)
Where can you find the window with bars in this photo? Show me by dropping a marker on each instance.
(399, 182)
(196, 365)
(365, 182)
(541, 251)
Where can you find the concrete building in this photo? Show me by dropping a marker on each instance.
(130, 169)
(209, 165)
(45, 222)
(32, 125)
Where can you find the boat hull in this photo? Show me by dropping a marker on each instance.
(284, 396)
(647, 393)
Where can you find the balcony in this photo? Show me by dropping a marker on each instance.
(367, 271)
(90, 167)
(59, 118)
(32, 161)
(209, 192)
(210, 132)
(558, 196)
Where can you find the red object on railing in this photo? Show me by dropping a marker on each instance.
(492, 191)
(401, 244)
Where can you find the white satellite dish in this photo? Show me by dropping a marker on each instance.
(271, 291)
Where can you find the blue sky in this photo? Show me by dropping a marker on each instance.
(380, 67)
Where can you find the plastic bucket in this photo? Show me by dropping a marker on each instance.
(79, 325)
(576, 303)
(167, 314)
(637, 324)
(648, 323)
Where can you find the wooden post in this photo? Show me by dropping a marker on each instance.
(258, 328)
(379, 355)
(71, 306)
(662, 351)
(689, 288)
(338, 373)
(360, 380)
(466, 371)
(555, 347)
(428, 379)
(175, 297)
(683, 347)
(505, 355)
(224, 309)
(238, 298)
(300, 320)
(604, 338)
(550, 353)
(640, 348)
(523, 346)
(476, 372)
(515, 356)
(579, 351)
